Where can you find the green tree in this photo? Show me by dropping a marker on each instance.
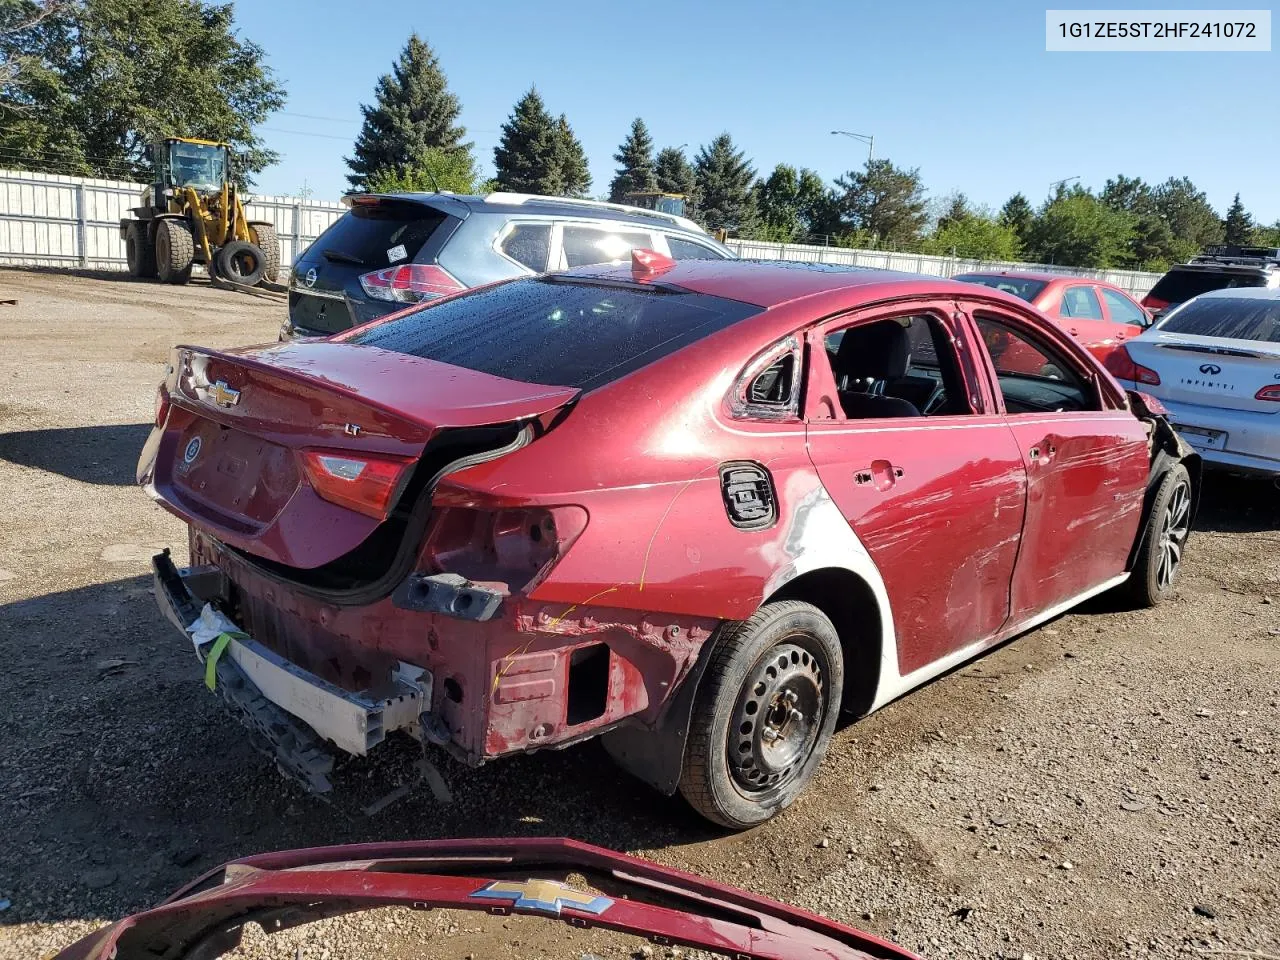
(1018, 215)
(789, 203)
(1193, 223)
(1077, 229)
(1151, 247)
(724, 177)
(964, 231)
(413, 112)
(1266, 236)
(99, 79)
(883, 203)
(432, 169)
(636, 172)
(1238, 226)
(574, 173)
(528, 155)
(674, 174)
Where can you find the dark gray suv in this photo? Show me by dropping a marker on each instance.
(390, 251)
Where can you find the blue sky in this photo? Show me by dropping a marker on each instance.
(966, 93)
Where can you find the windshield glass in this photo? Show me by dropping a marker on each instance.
(566, 333)
(1024, 288)
(197, 165)
(1230, 317)
(1179, 285)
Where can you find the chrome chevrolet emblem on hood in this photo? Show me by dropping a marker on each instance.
(224, 396)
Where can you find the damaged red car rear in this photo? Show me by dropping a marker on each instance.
(697, 508)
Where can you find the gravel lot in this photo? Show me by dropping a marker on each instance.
(1106, 786)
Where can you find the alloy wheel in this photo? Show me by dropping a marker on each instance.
(1174, 528)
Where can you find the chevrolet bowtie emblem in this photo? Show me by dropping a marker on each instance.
(543, 896)
(224, 396)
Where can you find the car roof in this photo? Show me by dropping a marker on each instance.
(1241, 293)
(769, 283)
(1047, 277)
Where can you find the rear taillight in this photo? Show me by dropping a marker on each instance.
(162, 404)
(368, 485)
(410, 283)
(516, 547)
(1271, 392)
(1154, 304)
(1121, 366)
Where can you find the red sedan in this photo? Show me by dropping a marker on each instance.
(698, 508)
(1098, 314)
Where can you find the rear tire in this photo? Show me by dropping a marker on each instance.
(175, 251)
(1164, 537)
(240, 262)
(268, 241)
(764, 714)
(139, 251)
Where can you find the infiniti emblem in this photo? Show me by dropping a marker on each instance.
(1212, 369)
(310, 278)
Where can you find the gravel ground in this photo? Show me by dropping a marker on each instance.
(1106, 786)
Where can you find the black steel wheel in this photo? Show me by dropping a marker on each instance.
(764, 714)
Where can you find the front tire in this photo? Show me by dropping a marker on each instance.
(1164, 537)
(268, 241)
(764, 714)
(139, 251)
(175, 251)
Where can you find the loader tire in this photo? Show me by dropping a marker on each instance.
(268, 241)
(139, 251)
(175, 251)
(240, 262)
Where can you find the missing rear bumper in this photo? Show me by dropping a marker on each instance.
(297, 713)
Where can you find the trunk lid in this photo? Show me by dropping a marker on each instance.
(1210, 371)
(228, 453)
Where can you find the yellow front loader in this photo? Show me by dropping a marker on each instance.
(192, 213)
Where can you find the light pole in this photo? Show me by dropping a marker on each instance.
(869, 140)
(1059, 184)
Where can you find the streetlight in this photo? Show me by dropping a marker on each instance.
(1058, 184)
(870, 141)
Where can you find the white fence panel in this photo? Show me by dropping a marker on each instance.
(52, 220)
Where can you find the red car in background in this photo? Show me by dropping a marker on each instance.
(697, 508)
(1098, 314)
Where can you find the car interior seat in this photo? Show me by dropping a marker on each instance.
(869, 357)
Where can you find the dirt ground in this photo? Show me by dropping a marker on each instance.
(1106, 786)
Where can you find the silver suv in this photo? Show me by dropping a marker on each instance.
(390, 251)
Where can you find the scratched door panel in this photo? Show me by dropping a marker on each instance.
(938, 503)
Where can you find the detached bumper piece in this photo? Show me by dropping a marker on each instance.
(296, 714)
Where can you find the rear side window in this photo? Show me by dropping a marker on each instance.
(682, 249)
(378, 235)
(1177, 285)
(1024, 288)
(1122, 309)
(1081, 303)
(557, 331)
(529, 244)
(587, 245)
(1235, 319)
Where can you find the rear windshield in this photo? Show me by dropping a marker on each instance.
(379, 235)
(1178, 286)
(557, 331)
(1024, 288)
(1237, 319)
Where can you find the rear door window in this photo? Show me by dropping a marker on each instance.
(1122, 309)
(585, 245)
(1233, 318)
(378, 235)
(557, 330)
(1179, 285)
(682, 249)
(528, 244)
(1081, 303)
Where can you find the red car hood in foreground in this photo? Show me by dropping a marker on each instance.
(628, 895)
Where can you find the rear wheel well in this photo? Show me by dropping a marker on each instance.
(851, 605)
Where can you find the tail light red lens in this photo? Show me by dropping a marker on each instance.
(1122, 366)
(410, 283)
(365, 484)
(1154, 304)
(1271, 392)
(162, 404)
(517, 547)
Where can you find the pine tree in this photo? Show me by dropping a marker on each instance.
(527, 157)
(1238, 226)
(724, 177)
(413, 112)
(575, 175)
(636, 156)
(674, 174)
(1018, 216)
